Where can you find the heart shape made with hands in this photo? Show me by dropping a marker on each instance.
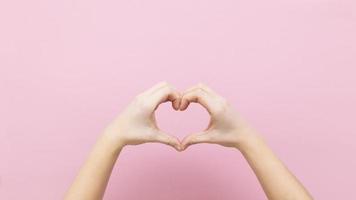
(137, 124)
(185, 116)
(222, 119)
(180, 124)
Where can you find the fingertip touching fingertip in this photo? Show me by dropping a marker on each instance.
(176, 104)
(183, 106)
(184, 148)
(179, 149)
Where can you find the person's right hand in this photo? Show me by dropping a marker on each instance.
(226, 127)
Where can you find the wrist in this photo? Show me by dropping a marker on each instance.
(110, 145)
(112, 140)
(248, 139)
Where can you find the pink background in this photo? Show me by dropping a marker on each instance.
(68, 67)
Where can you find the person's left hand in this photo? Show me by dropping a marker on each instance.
(137, 123)
(226, 127)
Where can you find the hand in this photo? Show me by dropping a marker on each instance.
(137, 123)
(226, 127)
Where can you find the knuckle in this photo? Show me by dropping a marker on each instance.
(223, 102)
(200, 91)
(169, 87)
(221, 108)
(169, 142)
(192, 140)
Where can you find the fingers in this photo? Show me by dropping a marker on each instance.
(203, 87)
(203, 95)
(160, 93)
(164, 94)
(196, 138)
(198, 94)
(164, 138)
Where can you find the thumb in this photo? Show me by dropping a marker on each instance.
(167, 139)
(196, 138)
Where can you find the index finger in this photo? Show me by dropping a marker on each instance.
(196, 96)
(164, 94)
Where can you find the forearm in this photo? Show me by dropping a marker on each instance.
(93, 177)
(135, 125)
(276, 180)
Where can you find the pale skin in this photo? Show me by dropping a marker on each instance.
(137, 125)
